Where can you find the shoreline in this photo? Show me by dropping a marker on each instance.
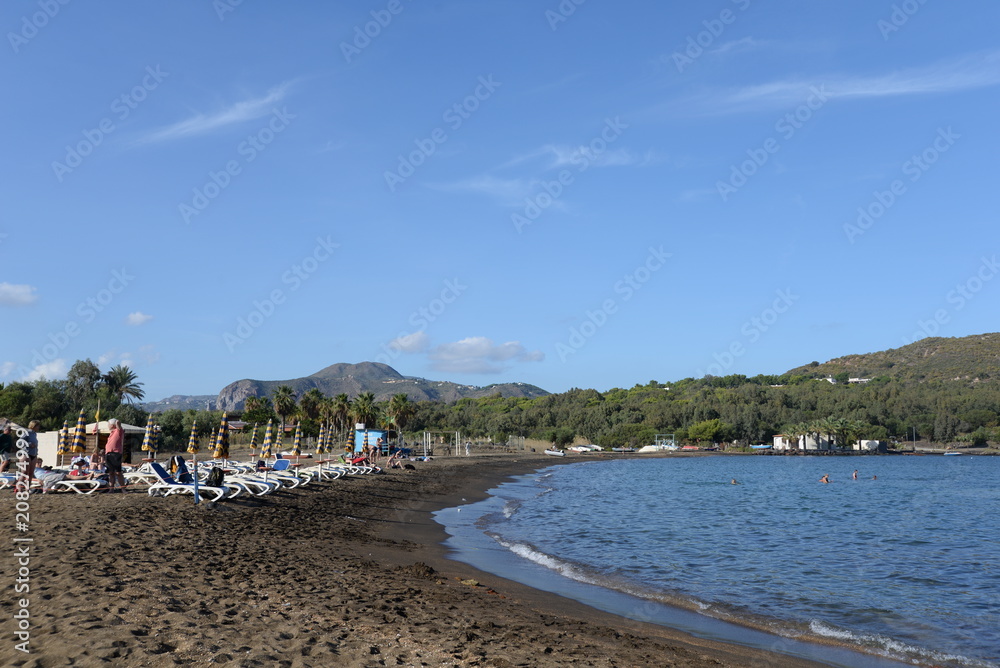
(420, 529)
(349, 573)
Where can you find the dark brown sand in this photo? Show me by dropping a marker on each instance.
(346, 573)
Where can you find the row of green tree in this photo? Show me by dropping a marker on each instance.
(53, 401)
(710, 409)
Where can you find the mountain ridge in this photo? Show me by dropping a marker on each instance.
(350, 379)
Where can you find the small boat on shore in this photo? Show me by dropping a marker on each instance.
(555, 453)
(761, 447)
(623, 449)
(952, 453)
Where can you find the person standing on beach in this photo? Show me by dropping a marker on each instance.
(32, 438)
(6, 447)
(113, 452)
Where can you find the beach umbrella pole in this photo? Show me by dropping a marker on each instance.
(194, 467)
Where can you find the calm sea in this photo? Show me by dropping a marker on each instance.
(905, 567)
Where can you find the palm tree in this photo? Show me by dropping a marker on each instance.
(310, 403)
(342, 411)
(326, 411)
(121, 383)
(364, 408)
(400, 411)
(284, 403)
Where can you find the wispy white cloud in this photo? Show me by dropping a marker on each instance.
(239, 112)
(17, 294)
(737, 46)
(416, 342)
(7, 368)
(137, 318)
(556, 156)
(511, 192)
(479, 354)
(978, 70)
(53, 370)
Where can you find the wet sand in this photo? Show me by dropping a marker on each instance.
(345, 573)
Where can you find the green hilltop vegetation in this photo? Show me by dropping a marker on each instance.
(938, 389)
(972, 358)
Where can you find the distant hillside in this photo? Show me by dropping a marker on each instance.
(971, 358)
(380, 379)
(181, 402)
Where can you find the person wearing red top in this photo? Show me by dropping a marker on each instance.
(113, 451)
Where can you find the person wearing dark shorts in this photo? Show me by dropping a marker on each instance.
(113, 452)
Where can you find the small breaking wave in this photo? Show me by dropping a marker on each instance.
(893, 649)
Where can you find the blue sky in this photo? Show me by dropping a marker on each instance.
(570, 195)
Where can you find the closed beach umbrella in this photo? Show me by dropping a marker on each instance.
(222, 440)
(63, 439)
(154, 441)
(148, 437)
(80, 434)
(265, 449)
(320, 440)
(253, 441)
(193, 439)
(279, 441)
(297, 445)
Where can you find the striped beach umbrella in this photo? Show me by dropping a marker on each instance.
(297, 444)
(265, 448)
(63, 439)
(321, 439)
(149, 435)
(279, 441)
(80, 434)
(253, 441)
(193, 439)
(222, 439)
(154, 441)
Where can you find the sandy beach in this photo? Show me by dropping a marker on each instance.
(345, 573)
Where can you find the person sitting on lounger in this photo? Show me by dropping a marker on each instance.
(47, 476)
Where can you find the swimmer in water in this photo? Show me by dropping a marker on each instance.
(825, 479)
(734, 482)
(855, 476)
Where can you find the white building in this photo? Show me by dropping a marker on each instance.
(807, 442)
